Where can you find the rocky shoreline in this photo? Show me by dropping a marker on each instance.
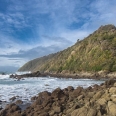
(82, 75)
(99, 100)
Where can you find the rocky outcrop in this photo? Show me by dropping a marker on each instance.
(34, 74)
(82, 75)
(92, 101)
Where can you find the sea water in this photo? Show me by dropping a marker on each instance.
(28, 87)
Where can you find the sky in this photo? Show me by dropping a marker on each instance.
(33, 28)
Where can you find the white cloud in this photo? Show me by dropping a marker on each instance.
(5, 61)
(53, 19)
(75, 35)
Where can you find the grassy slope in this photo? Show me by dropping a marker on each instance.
(94, 53)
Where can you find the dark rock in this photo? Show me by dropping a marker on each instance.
(110, 82)
(34, 74)
(19, 102)
(96, 87)
(57, 93)
(92, 101)
(11, 110)
(33, 98)
(76, 92)
(89, 89)
(13, 98)
(70, 88)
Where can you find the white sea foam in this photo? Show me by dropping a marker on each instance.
(21, 73)
(4, 76)
(29, 87)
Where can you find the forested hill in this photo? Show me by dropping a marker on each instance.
(94, 53)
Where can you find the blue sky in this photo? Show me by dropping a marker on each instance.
(34, 28)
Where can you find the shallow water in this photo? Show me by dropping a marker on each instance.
(28, 87)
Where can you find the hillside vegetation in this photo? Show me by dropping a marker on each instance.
(95, 53)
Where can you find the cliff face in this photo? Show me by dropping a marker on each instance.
(94, 53)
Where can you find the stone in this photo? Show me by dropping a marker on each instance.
(102, 101)
(80, 112)
(57, 109)
(114, 84)
(76, 92)
(110, 82)
(57, 93)
(80, 97)
(19, 102)
(112, 90)
(12, 98)
(33, 98)
(91, 112)
(98, 95)
(70, 88)
(112, 108)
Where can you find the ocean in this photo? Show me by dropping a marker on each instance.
(29, 87)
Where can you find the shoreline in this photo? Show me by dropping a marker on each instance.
(14, 98)
(94, 101)
(81, 75)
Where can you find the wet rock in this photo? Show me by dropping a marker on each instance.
(57, 93)
(89, 89)
(110, 82)
(33, 74)
(13, 98)
(19, 102)
(11, 110)
(76, 92)
(96, 87)
(70, 88)
(33, 98)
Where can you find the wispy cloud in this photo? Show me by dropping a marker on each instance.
(30, 29)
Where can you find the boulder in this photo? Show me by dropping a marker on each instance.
(92, 112)
(112, 90)
(102, 101)
(57, 93)
(111, 108)
(109, 82)
(19, 102)
(76, 92)
(80, 112)
(11, 110)
(98, 95)
(13, 98)
(57, 109)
